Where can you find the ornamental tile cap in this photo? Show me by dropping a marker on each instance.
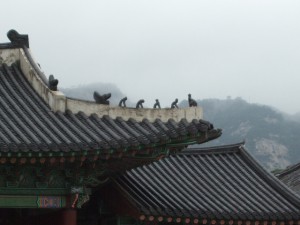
(18, 40)
(102, 99)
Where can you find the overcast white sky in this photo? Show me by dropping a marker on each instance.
(166, 49)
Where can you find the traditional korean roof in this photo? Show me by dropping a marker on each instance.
(28, 124)
(41, 122)
(209, 186)
(291, 177)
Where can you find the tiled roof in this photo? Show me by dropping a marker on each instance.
(291, 177)
(208, 185)
(28, 125)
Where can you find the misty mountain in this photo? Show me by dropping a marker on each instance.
(295, 117)
(270, 136)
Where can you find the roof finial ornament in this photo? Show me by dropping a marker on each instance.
(157, 104)
(139, 104)
(192, 102)
(102, 99)
(174, 104)
(122, 102)
(18, 40)
(52, 83)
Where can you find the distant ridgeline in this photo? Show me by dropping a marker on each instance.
(270, 136)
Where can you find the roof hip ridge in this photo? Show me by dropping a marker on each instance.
(18, 52)
(230, 148)
(276, 183)
(288, 170)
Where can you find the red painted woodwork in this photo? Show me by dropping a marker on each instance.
(68, 217)
(59, 217)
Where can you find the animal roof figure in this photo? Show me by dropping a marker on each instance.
(139, 104)
(52, 83)
(192, 102)
(157, 104)
(122, 102)
(174, 104)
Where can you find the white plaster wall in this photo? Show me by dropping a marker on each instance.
(138, 114)
(55, 99)
(9, 56)
(58, 102)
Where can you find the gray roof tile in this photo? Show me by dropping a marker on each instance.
(28, 124)
(291, 177)
(222, 183)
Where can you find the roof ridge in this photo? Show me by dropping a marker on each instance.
(57, 101)
(213, 150)
(21, 41)
(289, 169)
(16, 40)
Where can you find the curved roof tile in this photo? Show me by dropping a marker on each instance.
(28, 124)
(291, 177)
(220, 183)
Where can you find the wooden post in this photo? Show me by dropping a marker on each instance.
(59, 217)
(68, 217)
(64, 217)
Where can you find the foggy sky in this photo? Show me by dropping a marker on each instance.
(167, 49)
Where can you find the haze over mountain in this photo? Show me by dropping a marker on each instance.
(272, 137)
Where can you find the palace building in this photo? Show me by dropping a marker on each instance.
(66, 161)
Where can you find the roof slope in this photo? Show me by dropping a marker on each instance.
(28, 124)
(291, 177)
(221, 183)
